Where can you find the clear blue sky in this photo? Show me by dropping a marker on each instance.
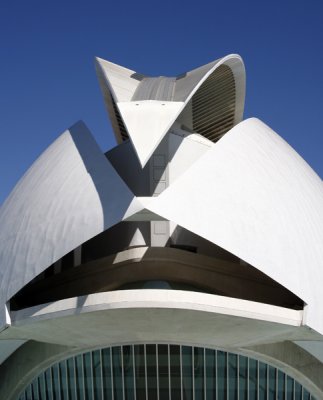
(48, 80)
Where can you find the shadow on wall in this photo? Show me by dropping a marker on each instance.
(114, 195)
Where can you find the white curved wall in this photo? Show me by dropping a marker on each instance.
(253, 195)
(70, 194)
(117, 79)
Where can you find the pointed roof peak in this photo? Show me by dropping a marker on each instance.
(124, 90)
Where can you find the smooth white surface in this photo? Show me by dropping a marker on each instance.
(143, 213)
(254, 196)
(70, 194)
(155, 298)
(147, 123)
(184, 151)
(153, 315)
(118, 79)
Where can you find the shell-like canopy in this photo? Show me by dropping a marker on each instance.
(208, 100)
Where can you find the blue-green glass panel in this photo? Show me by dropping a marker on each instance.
(163, 371)
(79, 377)
(63, 380)
(179, 372)
(306, 395)
(42, 386)
(253, 378)
(128, 367)
(55, 382)
(106, 374)
(87, 370)
(187, 372)
(297, 391)
(140, 367)
(117, 373)
(29, 393)
(34, 389)
(232, 378)
(243, 378)
(199, 373)
(97, 371)
(151, 361)
(262, 384)
(48, 381)
(210, 374)
(289, 388)
(71, 379)
(281, 386)
(175, 372)
(271, 383)
(222, 375)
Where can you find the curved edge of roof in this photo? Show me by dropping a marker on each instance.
(140, 299)
(61, 193)
(115, 71)
(235, 62)
(261, 209)
(109, 96)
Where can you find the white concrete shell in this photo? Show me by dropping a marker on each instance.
(234, 219)
(147, 123)
(254, 196)
(116, 79)
(64, 199)
(146, 133)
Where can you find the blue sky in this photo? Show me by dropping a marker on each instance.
(48, 80)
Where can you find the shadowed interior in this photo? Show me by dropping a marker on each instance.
(188, 262)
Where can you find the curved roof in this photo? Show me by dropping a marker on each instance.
(136, 102)
(64, 199)
(265, 205)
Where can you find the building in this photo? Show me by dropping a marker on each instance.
(185, 263)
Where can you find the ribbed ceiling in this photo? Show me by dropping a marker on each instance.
(160, 88)
(213, 105)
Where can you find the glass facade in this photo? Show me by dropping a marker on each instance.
(163, 372)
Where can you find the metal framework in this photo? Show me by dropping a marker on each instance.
(163, 372)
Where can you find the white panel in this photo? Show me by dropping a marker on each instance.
(137, 239)
(141, 212)
(70, 194)
(254, 196)
(147, 123)
(185, 151)
(119, 80)
(122, 315)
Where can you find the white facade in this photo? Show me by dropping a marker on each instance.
(198, 228)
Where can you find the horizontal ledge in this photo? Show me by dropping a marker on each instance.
(158, 299)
